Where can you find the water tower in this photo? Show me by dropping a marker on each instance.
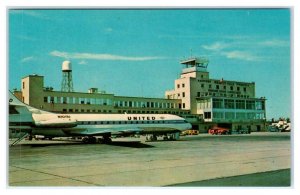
(67, 83)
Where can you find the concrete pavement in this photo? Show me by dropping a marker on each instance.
(128, 162)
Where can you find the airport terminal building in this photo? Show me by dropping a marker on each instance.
(218, 102)
(35, 94)
(204, 102)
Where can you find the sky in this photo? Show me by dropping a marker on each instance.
(137, 52)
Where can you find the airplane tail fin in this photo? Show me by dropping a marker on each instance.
(16, 103)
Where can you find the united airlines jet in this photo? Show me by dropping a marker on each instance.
(33, 121)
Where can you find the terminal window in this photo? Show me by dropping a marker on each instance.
(250, 105)
(207, 115)
(217, 103)
(240, 104)
(229, 103)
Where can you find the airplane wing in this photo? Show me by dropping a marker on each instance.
(100, 132)
(125, 131)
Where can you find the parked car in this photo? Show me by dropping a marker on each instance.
(191, 132)
(218, 131)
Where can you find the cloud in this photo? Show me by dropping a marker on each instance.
(97, 56)
(108, 30)
(275, 43)
(215, 46)
(238, 49)
(240, 55)
(33, 13)
(27, 59)
(82, 62)
(26, 38)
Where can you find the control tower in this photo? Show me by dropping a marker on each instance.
(67, 83)
(195, 62)
(195, 67)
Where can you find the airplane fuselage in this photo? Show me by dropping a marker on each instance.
(84, 124)
(35, 121)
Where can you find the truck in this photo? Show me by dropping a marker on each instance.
(218, 131)
(226, 131)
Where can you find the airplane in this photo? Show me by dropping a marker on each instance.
(32, 121)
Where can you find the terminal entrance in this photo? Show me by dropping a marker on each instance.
(225, 125)
(195, 127)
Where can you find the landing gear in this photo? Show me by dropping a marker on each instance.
(171, 137)
(151, 138)
(104, 140)
(92, 140)
(89, 140)
(166, 137)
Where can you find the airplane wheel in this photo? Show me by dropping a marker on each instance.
(154, 138)
(85, 140)
(105, 140)
(100, 140)
(92, 140)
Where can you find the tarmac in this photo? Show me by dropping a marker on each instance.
(199, 160)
